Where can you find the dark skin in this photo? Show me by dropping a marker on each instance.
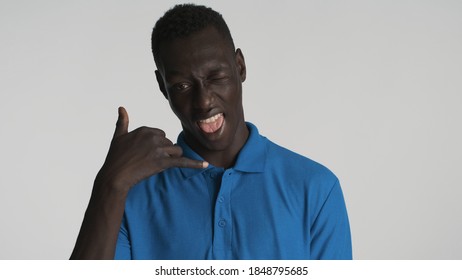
(201, 76)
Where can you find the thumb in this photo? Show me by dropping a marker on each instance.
(122, 123)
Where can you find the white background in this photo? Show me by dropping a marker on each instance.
(371, 89)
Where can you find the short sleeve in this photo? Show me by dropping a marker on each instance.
(330, 231)
(123, 248)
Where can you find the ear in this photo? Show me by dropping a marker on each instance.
(240, 62)
(160, 82)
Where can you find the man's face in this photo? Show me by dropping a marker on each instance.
(202, 78)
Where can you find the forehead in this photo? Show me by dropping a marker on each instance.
(202, 48)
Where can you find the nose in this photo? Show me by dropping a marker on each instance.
(203, 98)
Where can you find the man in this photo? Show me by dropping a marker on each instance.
(224, 191)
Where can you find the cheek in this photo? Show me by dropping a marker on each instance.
(177, 107)
(233, 97)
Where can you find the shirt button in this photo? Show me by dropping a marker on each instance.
(222, 223)
(221, 199)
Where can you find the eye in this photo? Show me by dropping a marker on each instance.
(180, 87)
(219, 79)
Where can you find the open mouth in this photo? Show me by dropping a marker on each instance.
(212, 124)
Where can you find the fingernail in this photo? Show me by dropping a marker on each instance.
(205, 164)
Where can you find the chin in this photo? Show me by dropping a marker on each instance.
(220, 140)
(215, 142)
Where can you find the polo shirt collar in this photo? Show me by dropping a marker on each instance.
(251, 158)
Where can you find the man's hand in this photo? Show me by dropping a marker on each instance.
(132, 157)
(139, 154)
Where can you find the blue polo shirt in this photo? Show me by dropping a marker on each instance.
(272, 204)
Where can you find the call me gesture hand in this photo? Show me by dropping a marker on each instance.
(132, 157)
(139, 154)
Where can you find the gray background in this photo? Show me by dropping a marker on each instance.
(371, 89)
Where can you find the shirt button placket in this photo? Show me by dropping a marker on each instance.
(223, 226)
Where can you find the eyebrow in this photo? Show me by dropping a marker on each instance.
(174, 73)
(215, 69)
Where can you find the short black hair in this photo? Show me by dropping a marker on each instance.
(183, 20)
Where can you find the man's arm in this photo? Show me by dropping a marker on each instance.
(132, 157)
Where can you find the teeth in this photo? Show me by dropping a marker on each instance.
(211, 119)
